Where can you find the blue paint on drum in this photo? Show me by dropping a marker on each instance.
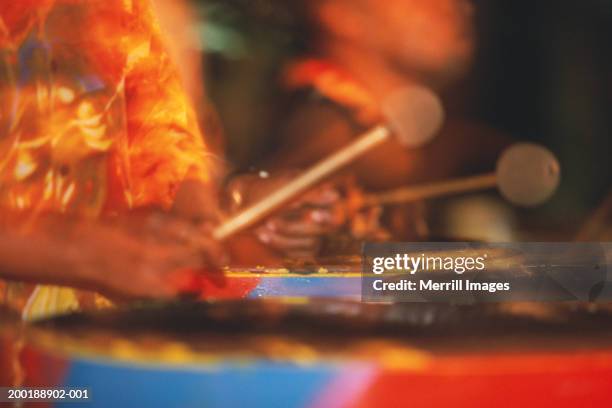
(349, 287)
(250, 384)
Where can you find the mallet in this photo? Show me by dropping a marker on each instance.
(413, 114)
(527, 175)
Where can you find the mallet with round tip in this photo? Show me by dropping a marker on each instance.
(414, 115)
(527, 175)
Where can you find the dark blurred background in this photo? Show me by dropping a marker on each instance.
(542, 72)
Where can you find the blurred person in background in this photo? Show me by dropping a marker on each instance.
(354, 54)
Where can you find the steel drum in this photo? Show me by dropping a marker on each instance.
(319, 352)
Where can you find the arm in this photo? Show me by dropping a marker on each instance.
(132, 256)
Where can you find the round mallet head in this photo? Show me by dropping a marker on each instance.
(414, 114)
(527, 174)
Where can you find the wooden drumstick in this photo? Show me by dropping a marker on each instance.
(414, 115)
(527, 175)
(302, 183)
(431, 190)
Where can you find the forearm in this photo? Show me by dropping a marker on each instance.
(39, 255)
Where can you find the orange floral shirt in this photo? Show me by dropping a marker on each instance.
(93, 117)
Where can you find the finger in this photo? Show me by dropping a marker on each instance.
(322, 196)
(197, 238)
(318, 197)
(212, 251)
(331, 218)
(167, 273)
(170, 273)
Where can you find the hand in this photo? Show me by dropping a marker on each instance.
(138, 254)
(297, 230)
(141, 255)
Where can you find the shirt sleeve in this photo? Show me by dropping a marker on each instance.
(165, 145)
